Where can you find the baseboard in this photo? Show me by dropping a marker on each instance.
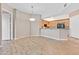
(20, 37)
(74, 37)
(25, 37)
(47, 37)
(52, 37)
(42, 36)
(35, 35)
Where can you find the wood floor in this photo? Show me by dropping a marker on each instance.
(43, 46)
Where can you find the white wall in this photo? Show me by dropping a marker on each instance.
(74, 26)
(35, 25)
(21, 24)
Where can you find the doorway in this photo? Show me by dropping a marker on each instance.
(6, 26)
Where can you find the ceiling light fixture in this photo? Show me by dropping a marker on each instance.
(49, 19)
(32, 18)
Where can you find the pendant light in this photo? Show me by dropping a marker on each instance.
(32, 18)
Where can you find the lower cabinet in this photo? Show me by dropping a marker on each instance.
(58, 34)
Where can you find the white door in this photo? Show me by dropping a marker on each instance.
(6, 31)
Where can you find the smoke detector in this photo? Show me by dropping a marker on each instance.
(65, 5)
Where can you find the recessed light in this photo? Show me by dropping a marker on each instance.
(49, 19)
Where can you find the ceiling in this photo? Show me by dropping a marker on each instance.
(45, 9)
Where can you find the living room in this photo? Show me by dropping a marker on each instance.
(36, 24)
